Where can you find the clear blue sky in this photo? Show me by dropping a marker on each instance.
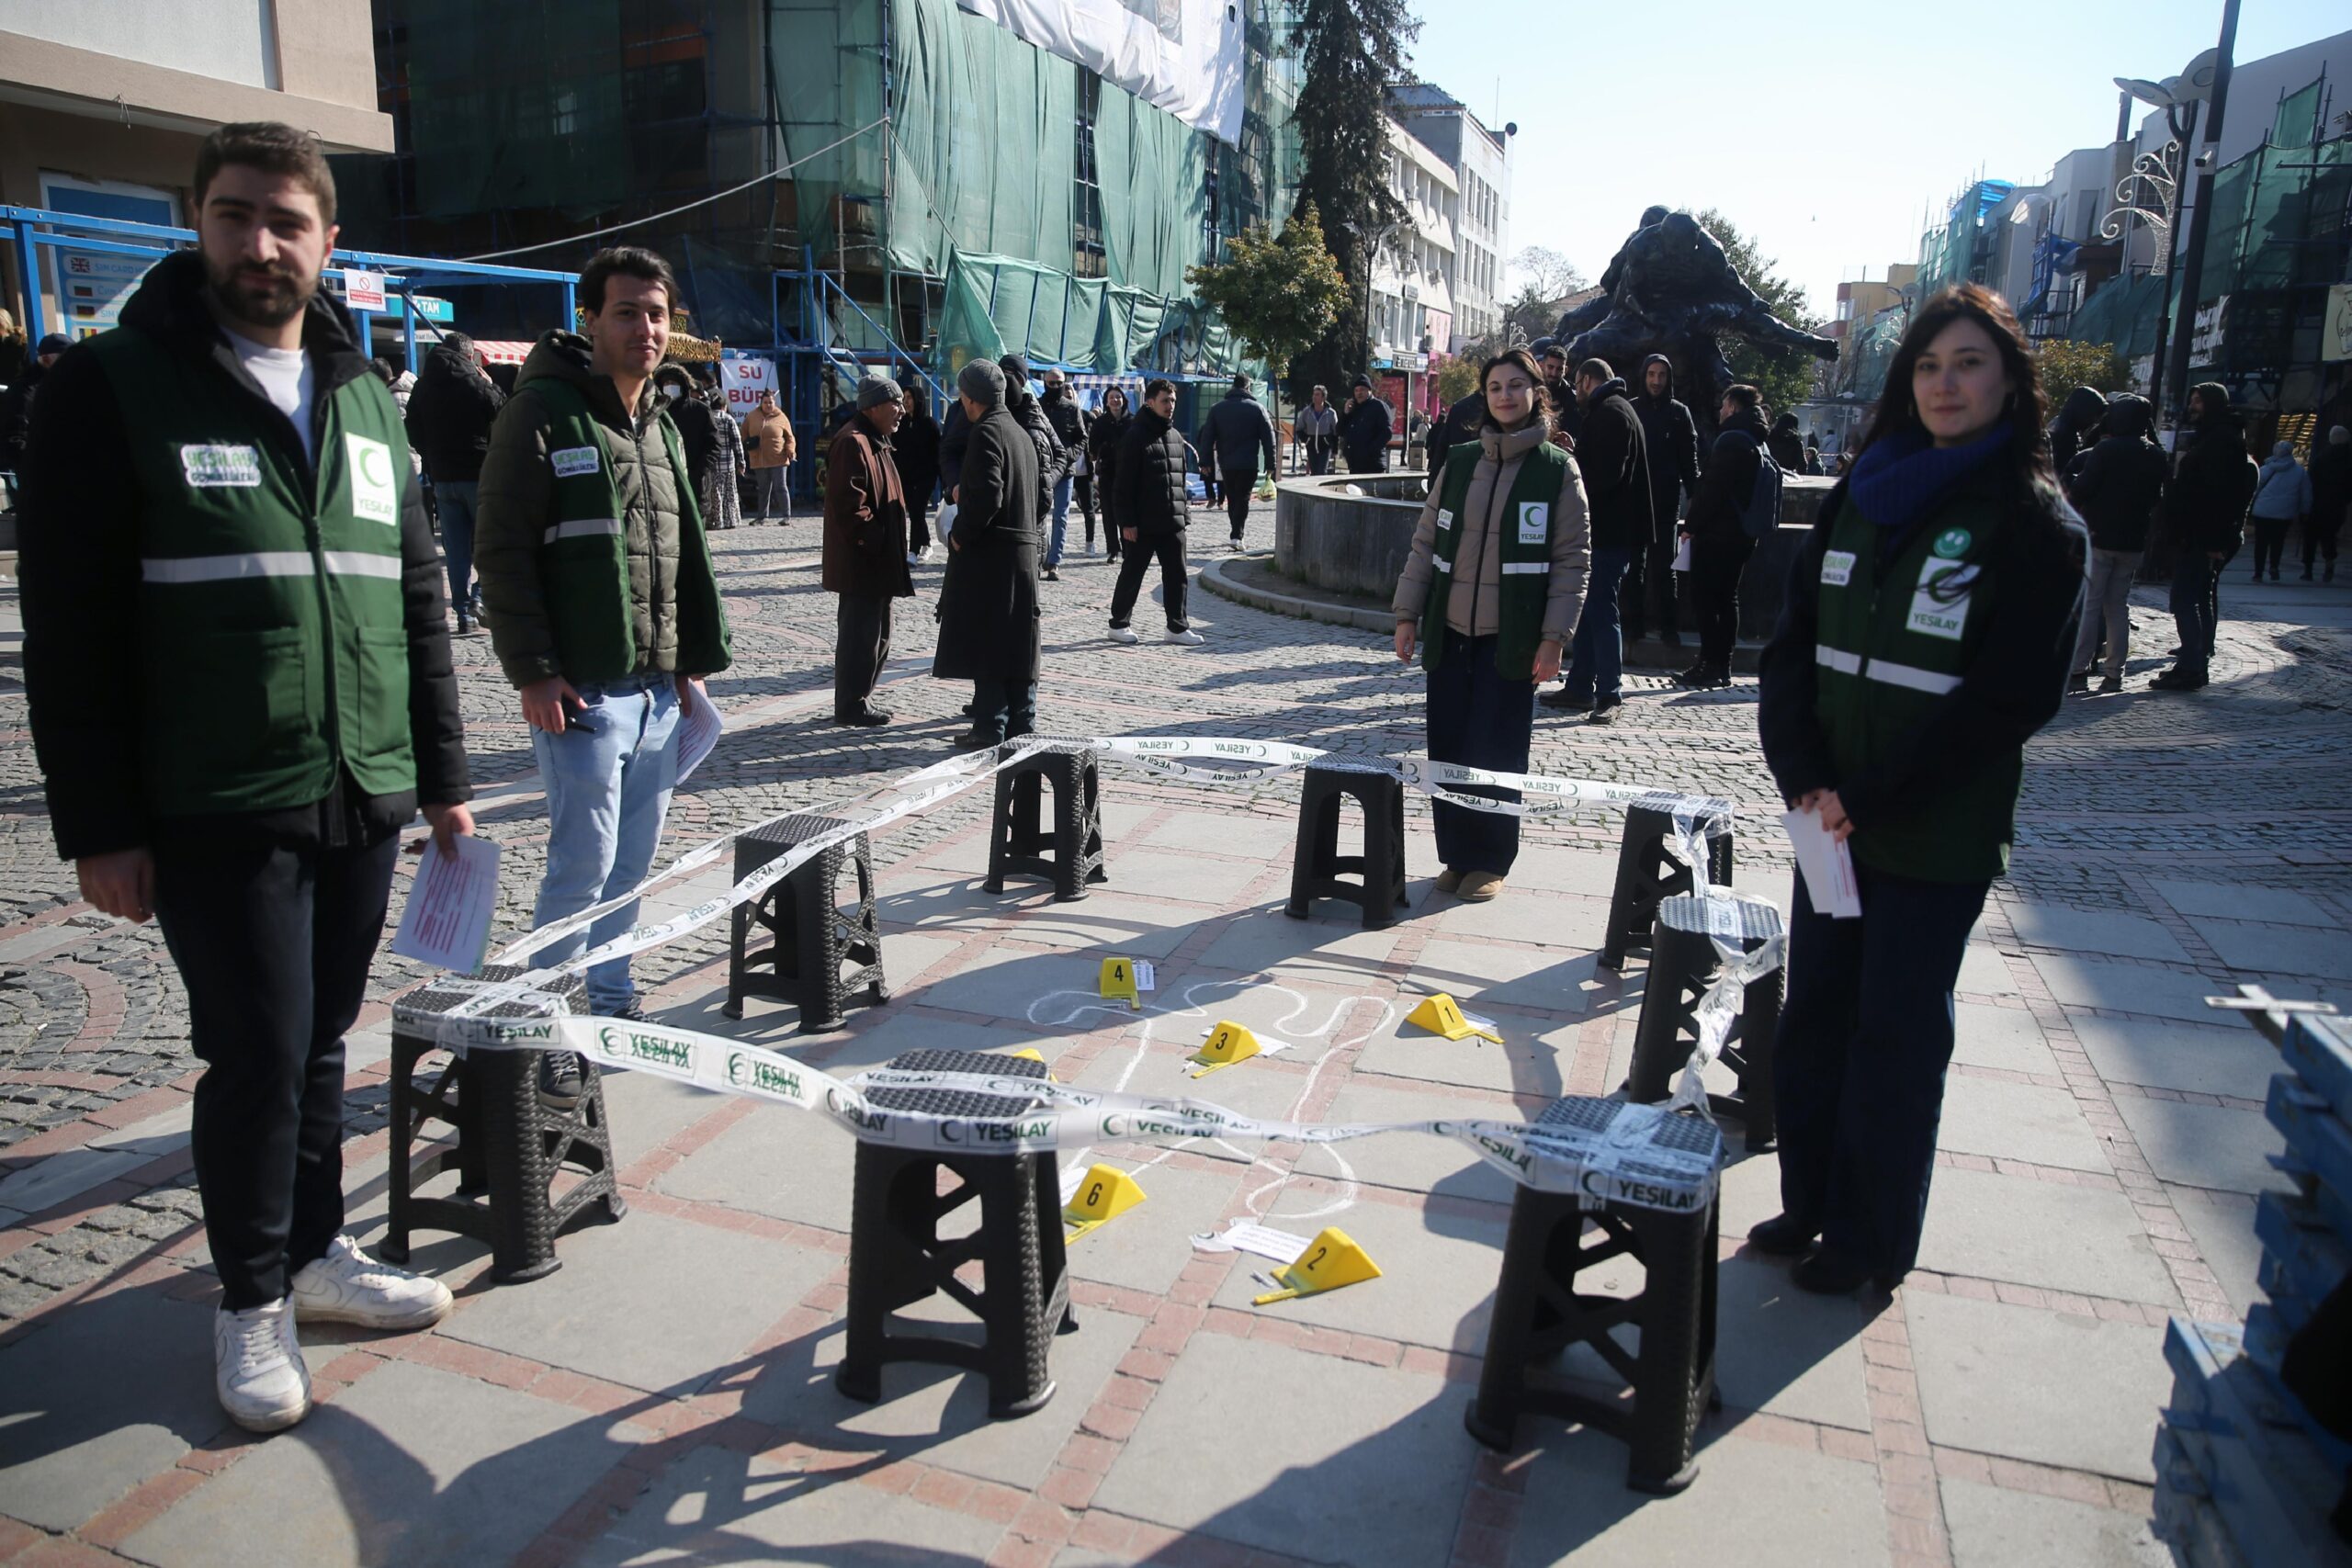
(1823, 132)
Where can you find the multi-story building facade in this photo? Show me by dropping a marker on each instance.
(1481, 159)
(1412, 279)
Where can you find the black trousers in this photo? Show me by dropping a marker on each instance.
(2269, 543)
(1857, 1067)
(1715, 567)
(274, 944)
(1480, 718)
(1169, 550)
(1082, 486)
(2319, 533)
(1648, 584)
(919, 525)
(1239, 483)
(861, 647)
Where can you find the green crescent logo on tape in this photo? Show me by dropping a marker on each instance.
(1952, 543)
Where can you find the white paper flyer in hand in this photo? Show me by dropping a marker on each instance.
(449, 905)
(1682, 554)
(1827, 863)
(698, 732)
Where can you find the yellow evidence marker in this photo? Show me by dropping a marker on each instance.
(1033, 1054)
(1440, 1014)
(1227, 1043)
(1119, 982)
(1331, 1260)
(1104, 1193)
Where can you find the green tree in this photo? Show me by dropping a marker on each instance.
(1458, 377)
(2065, 365)
(1351, 53)
(1783, 375)
(1278, 295)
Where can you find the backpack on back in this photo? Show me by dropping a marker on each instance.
(1761, 513)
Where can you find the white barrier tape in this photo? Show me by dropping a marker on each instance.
(1725, 997)
(1627, 1164)
(1247, 760)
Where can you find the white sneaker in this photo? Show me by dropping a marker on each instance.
(348, 1286)
(1123, 634)
(1188, 639)
(257, 1368)
(929, 551)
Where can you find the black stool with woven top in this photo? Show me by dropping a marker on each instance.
(810, 939)
(897, 1257)
(510, 1147)
(1683, 964)
(1317, 868)
(1070, 853)
(1539, 1313)
(1648, 874)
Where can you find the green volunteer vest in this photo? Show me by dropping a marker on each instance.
(273, 642)
(1887, 649)
(1524, 530)
(583, 551)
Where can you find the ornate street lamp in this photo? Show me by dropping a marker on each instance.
(2151, 192)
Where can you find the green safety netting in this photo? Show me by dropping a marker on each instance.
(2266, 206)
(998, 304)
(1950, 251)
(2123, 311)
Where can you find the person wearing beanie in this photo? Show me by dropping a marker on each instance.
(1364, 430)
(865, 547)
(988, 630)
(2330, 493)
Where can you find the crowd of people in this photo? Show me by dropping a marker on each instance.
(239, 661)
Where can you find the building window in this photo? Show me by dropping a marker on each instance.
(1086, 209)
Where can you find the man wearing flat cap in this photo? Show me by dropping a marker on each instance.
(865, 547)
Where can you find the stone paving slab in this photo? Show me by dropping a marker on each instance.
(2034, 1233)
(1334, 941)
(1522, 1063)
(1438, 1271)
(2092, 930)
(1147, 1247)
(1756, 1504)
(2229, 1060)
(2135, 988)
(1992, 1527)
(408, 1465)
(1415, 1163)
(2288, 950)
(2004, 1038)
(2015, 1121)
(777, 1161)
(1329, 1459)
(1264, 839)
(2240, 901)
(2204, 1145)
(1985, 973)
(713, 1506)
(2048, 1387)
(1546, 979)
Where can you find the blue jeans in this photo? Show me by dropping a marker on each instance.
(1597, 654)
(1062, 520)
(1857, 1067)
(608, 779)
(455, 500)
(1481, 719)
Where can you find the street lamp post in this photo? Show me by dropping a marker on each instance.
(2193, 267)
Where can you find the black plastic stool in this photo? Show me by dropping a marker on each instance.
(1539, 1313)
(1683, 965)
(1070, 855)
(897, 1257)
(510, 1147)
(1317, 866)
(1647, 874)
(808, 937)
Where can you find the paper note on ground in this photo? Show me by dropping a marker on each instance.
(1827, 863)
(1263, 1240)
(449, 905)
(1147, 977)
(698, 733)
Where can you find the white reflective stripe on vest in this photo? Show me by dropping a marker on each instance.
(1525, 567)
(1893, 674)
(581, 528)
(358, 563)
(224, 568)
(1442, 564)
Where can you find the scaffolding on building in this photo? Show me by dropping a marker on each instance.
(1960, 249)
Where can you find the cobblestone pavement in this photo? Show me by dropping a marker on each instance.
(669, 1390)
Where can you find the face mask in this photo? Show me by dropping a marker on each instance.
(674, 393)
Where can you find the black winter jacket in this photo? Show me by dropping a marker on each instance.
(1105, 437)
(1730, 480)
(988, 605)
(1053, 457)
(1615, 464)
(450, 415)
(1069, 421)
(1461, 423)
(1364, 430)
(2212, 486)
(2075, 427)
(1785, 445)
(2116, 487)
(1238, 432)
(698, 426)
(1670, 437)
(1150, 496)
(81, 574)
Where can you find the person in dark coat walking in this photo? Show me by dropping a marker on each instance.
(1614, 464)
(1237, 432)
(1053, 458)
(17, 402)
(2115, 487)
(1461, 423)
(1670, 439)
(1364, 430)
(987, 608)
(1152, 508)
(1719, 543)
(865, 547)
(2330, 493)
(449, 416)
(1785, 445)
(915, 450)
(1069, 423)
(1105, 437)
(2204, 513)
(698, 426)
(2079, 420)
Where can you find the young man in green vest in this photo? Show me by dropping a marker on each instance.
(597, 582)
(241, 691)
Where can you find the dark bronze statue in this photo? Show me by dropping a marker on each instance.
(1672, 290)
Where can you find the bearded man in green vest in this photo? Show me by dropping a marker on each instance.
(596, 582)
(238, 661)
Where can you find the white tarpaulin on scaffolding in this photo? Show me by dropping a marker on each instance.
(1183, 56)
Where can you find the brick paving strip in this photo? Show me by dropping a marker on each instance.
(2096, 838)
